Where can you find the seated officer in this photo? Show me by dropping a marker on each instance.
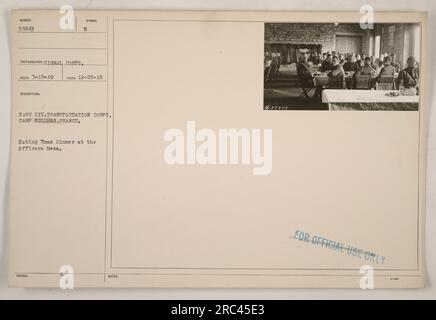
(337, 71)
(351, 64)
(388, 69)
(409, 77)
(366, 70)
(327, 63)
(304, 73)
(303, 68)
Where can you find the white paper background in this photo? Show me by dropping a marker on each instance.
(300, 5)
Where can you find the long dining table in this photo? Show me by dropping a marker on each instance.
(369, 100)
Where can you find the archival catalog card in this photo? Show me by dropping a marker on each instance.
(218, 149)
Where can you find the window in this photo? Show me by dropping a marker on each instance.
(377, 47)
(417, 42)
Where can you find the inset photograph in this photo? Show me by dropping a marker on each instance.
(341, 66)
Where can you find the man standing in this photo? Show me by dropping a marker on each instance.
(279, 63)
(358, 60)
(374, 63)
(274, 66)
(266, 66)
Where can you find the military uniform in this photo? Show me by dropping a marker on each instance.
(409, 77)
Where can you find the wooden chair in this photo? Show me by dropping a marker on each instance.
(385, 83)
(307, 86)
(335, 83)
(306, 90)
(363, 82)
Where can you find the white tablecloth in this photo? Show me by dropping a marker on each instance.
(362, 96)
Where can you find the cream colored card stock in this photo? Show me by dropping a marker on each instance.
(177, 149)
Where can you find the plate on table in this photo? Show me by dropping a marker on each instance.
(393, 94)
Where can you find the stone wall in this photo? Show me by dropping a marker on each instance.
(392, 40)
(396, 39)
(309, 33)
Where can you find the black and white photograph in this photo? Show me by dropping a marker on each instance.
(342, 66)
